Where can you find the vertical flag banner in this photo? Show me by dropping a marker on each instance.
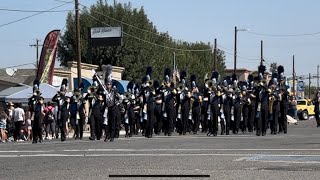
(48, 57)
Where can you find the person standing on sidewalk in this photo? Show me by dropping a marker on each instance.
(316, 101)
(19, 118)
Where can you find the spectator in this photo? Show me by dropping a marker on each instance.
(27, 125)
(293, 106)
(19, 118)
(10, 123)
(3, 125)
(49, 121)
(316, 101)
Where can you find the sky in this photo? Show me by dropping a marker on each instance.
(190, 20)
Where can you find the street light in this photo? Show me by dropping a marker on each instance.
(235, 46)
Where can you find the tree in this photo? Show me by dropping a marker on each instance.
(273, 67)
(140, 47)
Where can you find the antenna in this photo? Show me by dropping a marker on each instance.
(11, 72)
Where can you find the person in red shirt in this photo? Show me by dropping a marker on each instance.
(49, 121)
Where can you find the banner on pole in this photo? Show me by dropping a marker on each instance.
(48, 57)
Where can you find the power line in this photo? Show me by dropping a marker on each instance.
(284, 35)
(11, 22)
(155, 44)
(18, 65)
(30, 11)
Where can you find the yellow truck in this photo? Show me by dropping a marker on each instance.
(305, 108)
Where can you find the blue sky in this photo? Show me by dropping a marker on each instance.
(191, 20)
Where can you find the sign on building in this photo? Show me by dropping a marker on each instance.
(105, 36)
(300, 86)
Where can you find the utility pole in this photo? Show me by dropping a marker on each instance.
(294, 78)
(235, 49)
(215, 55)
(78, 49)
(318, 77)
(37, 48)
(309, 85)
(261, 59)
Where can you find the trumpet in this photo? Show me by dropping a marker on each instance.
(128, 96)
(92, 89)
(181, 87)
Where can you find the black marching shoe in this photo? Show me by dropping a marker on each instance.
(258, 133)
(223, 132)
(263, 133)
(92, 138)
(112, 139)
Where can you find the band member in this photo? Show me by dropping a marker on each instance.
(157, 107)
(32, 101)
(237, 105)
(59, 99)
(90, 99)
(183, 100)
(215, 104)
(274, 103)
(246, 102)
(227, 103)
(263, 96)
(96, 118)
(196, 99)
(119, 111)
(284, 101)
(205, 110)
(148, 103)
(237, 110)
(38, 120)
(129, 102)
(64, 116)
(113, 101)
(169, 103)
(78, 117)
(252, 106)
(137, 109)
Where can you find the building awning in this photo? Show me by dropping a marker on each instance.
(121, 85)
(87, 82)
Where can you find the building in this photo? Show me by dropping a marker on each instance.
(27, 76)
(23, 78)
(241, 73)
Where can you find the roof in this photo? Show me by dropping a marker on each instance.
(22, 76)
(12, 90)
(47, 91)
(238, 70)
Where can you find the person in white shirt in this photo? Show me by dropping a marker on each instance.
(19, 118)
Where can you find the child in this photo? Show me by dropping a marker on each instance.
(3, 124)
(28, 127)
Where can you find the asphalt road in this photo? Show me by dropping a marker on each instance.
(295, 155)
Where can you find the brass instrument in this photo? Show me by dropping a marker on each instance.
(181, 87)
(128, 96)
(271, 100)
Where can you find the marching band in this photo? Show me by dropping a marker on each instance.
(172, 106)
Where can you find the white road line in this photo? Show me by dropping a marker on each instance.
(27, 151)
(279, 161)
(153, 150)
(153, 155)
(126, 150)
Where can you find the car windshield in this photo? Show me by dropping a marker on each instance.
(301, 103)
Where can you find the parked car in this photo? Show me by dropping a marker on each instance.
(305, 108)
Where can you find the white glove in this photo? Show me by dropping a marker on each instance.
(86, 120)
